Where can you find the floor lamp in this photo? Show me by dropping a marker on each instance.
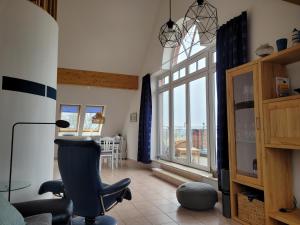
(58, 123)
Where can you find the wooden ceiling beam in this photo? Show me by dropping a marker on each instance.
(97, 79)
(293, 1)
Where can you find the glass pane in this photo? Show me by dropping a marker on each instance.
(180, 123)
(201, 63)
(199, 147)
(164, 124)
(214, 57)
(70, 113)
(182, 56)
(196, 44)
(88, 125)
(176, 75)
(245, 125)
(216, 115)
(182, 72)
(166, 80)
(193, 67)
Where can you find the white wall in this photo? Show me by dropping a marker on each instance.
(29, 49)
(106, 36)
(116, 102)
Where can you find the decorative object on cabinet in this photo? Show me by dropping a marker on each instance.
(264, 50)
(277, 132)
(296, 36)
(204, 16)
(170, 34)
(281, 44)
(282, 86)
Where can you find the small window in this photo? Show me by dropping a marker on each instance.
(90, 128)
(201, 63)
(70, 113)
(176, 75)
(182, 72)
(163, 81)
(193, 67)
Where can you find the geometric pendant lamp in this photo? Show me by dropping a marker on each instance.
(170, 34)
(204, 16)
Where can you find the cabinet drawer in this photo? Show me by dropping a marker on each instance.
(282, 123)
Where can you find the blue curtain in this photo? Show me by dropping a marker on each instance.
(144, 146)
(232, 50)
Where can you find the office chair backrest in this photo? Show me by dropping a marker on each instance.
(78, 163)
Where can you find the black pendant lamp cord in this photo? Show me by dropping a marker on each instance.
(170, 9)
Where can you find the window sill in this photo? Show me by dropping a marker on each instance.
(188, 172)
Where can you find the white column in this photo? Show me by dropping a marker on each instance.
(28, 50)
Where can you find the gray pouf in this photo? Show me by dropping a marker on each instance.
(197, 196)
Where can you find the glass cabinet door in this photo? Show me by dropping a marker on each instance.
(244, 120)
(244, 124)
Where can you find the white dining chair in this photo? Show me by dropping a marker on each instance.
(107, 150)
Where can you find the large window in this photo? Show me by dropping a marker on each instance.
(80, 118)
(186, 95)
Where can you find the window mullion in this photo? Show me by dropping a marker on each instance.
(171, 124)
(188, 124)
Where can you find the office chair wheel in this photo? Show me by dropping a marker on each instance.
(100, 220)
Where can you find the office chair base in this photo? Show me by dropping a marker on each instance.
(100, 220)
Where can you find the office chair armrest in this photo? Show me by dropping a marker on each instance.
(54, 186)
(117, 187)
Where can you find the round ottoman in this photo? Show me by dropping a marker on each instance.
(197, 196)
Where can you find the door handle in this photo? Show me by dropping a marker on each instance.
(257, 123)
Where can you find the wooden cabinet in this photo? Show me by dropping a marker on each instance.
(244, 124)
(282, 122)
(266, 128)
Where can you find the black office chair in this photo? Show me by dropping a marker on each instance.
(78, 163)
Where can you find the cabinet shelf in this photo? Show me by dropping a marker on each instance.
(244, 105)
(285, 57)
(248, 184)
(281, 99)
(290, 218)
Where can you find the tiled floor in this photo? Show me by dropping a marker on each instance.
(154, 201)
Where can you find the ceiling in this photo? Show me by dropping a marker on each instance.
(107, 36)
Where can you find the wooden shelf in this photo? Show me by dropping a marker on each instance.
(288, 98)
(248, 184)
(283, 147)
(287, 56)
(290, 218)
(244, 105)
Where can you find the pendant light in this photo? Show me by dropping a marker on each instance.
(170, 34)
(202, 15)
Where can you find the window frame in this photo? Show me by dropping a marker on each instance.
(84, 114)
(65, 130)
(207, 72)
(80, 132)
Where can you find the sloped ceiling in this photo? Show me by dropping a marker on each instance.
(105, 35)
